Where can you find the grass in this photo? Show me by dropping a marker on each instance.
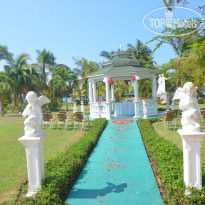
(13, 168)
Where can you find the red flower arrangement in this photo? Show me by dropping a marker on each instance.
(133, 78)
(109, 80)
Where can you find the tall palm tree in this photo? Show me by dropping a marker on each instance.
(63, 82)
(120, 89)
(85, 67)
(22, 77)
(5, 54)
(4, 86)
(79, 93)
(107, 54)
(140, 51)
(46, 59)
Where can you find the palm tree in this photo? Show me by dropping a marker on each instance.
(140, 51)
(85, 67)
(120, 89)
(107, 54)
(79, 93)
(22, 77)
(4, 86)
(100, 89)
(46, 59)
(63, 82)
(4, 54)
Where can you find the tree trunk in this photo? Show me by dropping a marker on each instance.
(15, 103)
(1, 109)
(66, 102)
(43, 68)
(21, 101)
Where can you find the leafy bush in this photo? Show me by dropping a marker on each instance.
(169, 160)
(52, 106)
(14, 109)
(62, 171)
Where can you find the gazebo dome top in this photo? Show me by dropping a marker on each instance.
(122, 64)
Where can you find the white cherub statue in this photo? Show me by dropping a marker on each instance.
(33, 111)
(191, 114)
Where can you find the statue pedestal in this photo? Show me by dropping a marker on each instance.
(35, 162)
(145, 109)
(137, 108)
(192, 158)
(167, 103)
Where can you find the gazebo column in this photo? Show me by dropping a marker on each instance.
(107, 89)
(136, 87)
(113, 92)
(94, 91)
(91, 98)
(107, 104)
(136, 100)
(154, 87)
(113, 96)
(90, 91)
(154, 95)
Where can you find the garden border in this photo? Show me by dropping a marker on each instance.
(167, 163)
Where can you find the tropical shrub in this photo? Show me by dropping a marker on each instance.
(53, 106)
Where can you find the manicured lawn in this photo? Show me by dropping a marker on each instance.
(13, 168)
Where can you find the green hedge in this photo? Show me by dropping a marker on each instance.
(62, 171)
(169, 161)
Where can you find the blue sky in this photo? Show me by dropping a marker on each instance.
(77, 28)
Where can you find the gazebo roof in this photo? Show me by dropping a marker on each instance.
(121, 63)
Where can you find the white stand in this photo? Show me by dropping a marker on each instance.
(35, 162)
(167, 103)
(74, 108)
(145, 109)
(99, 110)
(137, 109)
(192, 158)
(173, 105)
(113, 106)
(108, 110)
(82, 107)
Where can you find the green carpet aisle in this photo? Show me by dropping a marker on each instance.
(118, 171)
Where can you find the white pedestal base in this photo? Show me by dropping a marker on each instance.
(192, 158)
(35, 162)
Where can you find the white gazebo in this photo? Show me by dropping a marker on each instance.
(122, 67)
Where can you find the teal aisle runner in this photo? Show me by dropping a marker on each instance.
(118, 171)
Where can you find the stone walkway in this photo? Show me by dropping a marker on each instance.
(118, 171)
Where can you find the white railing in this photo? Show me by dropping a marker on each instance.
(152, 107)
(100, 110)
(103, 109)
